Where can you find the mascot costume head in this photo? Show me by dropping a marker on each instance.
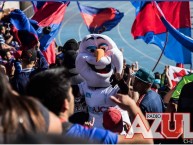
(98, 58)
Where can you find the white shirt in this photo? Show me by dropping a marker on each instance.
(98, 101)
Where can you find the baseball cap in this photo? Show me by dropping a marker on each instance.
(112, 120)
(145, 75)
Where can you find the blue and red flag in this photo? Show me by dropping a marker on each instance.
(150, 28)
(22, 29)
(37, 5)
(183, 39)
(99, 20)
(49, 14)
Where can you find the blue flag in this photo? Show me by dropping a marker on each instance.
(23, 31)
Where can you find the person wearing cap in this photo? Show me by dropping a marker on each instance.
(113, 121)
(149, 101)
(52, 87)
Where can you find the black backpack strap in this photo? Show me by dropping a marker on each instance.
(66, 126)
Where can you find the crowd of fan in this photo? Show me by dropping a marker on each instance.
(28, 74)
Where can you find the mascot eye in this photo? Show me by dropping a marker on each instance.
(103, 46)
(91, 48)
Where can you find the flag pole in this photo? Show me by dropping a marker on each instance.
(154, 4)
(3, 5)
(161, 52)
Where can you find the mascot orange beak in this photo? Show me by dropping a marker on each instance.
(99, 53)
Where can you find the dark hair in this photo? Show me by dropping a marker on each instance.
(127, 67)
(22, 115)
(19, 115)
(155, 86)
(60, 48)
(5, 89)
(157, 75)
(1, 27)
(51, 88)
(29, 55)
(47, 30)
(3, 53)
(69, 59)
(71, 44)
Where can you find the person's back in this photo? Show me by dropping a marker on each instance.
(29, 61)
(151, 103)
(21, 79)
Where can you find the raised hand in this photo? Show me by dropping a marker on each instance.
(124, 101)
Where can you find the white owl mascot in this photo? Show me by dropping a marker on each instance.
(98, 59)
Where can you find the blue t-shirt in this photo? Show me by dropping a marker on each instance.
(95, 134)
(152, 103)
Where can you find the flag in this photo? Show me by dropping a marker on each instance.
(49, 54)
(176, 74)
(50, 14)
(99, 20)
(22, 29)
(180, 37)
(150, 28)
(37, 5)
(184, 80)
